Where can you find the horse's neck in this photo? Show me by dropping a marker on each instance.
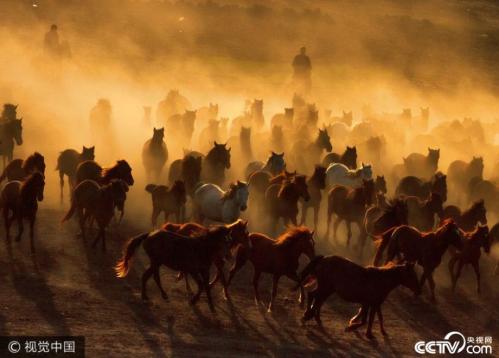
(289, 193)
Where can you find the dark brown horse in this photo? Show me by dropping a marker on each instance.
(21, 198)
(19, 169)
(68, 161)
(11, 131)
(460, 174)
(187, 170)
(316, 183)
(90, 170)
(349, 205)
(368, 286)
(349, 158)
(191, 255)
(413, 186)
(426, 249)
(468, 219)
(167, 200)
(422, 212)
(277, 257)
(215, 163)
(469, 254)
(282, 200)
(155, 154)
(380, 184)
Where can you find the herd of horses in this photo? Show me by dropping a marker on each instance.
(209, 207)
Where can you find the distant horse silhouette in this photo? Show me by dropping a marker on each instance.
(460, 174)
(19, 169)
(304, 151)
(155, 154)
(468, 219)
(413, 186)
(211, 202)
(368, 286)
(470, 254)
(68, 161)
(188, 170)
(349, 205)
(277, 257)
(167, 200)
(11, 132)
(191, 255)
(90, 170)
(426, 249)
(422, 166)
(180, 127)
(487, 190)
(246, 151)
(316, 183)
(380, 184)
(422, 213)
(339, 174)
(21, 198)
(283, 120)
(348, 158)
(274, 165)
(215, 163)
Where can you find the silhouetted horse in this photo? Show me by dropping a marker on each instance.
(469, 254)
(316, 183)
(21, 198)
(180, 127)
(188, 170)
(413, 186)
(167, 200)
(283, 120)
(350, 205)
(275, 164)
(426, 249)
(277, 257)
(19, 169)
(215, 163)
(380, 184)
(191, 255)
(487, 190)
(10, 131)
(68, 161)
(155, 154)
(468, 219)
(348, 158)
(422, 213)
(368, 286)
(378, 220)
(460, 174)
(422, 166)
(304, 153)
(90, 170)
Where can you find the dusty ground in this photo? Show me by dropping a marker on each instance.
(70, 289)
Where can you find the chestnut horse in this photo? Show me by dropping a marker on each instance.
(368, 286)
(167, 200)
(470, 254)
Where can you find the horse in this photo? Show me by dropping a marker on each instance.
(424, 248)
(316, 183)
(303, 151)
(494, 237)
(187, 170)
(348, 158)
(283, 120)
(215, 163)
(413, 186)
(368, 286)
(211, 202)
(421, 165)
(278, 257)
(339, 174)
(155, 154)
(281, 200)
(380, 184)
(378, 220)
(469, 254)
(19, 169)
(11, 132)
(92, 201)
(167, 200)
(90, 170)
(350, 205)
(480, 189)
(275, 164)
(181, 126)
(21, 198)
(68, 161)
(460, 173)
(191, 255)
(260, 180)
(422, 213)
(468, 219)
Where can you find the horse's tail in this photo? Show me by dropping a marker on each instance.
(122, 267)
(381, 243)
(309, 269)
(71, 210)
(151, 187)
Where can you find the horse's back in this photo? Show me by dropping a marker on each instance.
(336, 173)
(88, 169)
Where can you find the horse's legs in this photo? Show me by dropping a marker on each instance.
(61, 184)
(349, 232)
(20, 224)
(431, 283)
(240, 260)
(145, 277)
(199, 281)
(476, 267)
(316, 216)
(316, 307)
(293, 276)
(32, 232)
(304, 209)
(205, 275)
(81, 219)
(275, 283)
(329, 216)
(457, 274)
(380, 319)
(219, 264)
(6, 221)
(256, 278)
(372, 312)
(157, 279)
(335, 227)
(154, 217)
(451, 265)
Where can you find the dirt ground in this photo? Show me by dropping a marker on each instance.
(68, 288)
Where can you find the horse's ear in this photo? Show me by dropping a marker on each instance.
(215, 143)
(363, 165)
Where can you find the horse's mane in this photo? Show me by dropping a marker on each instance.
(215, 153)
(120, 164)
(474, 207)
(32, 160)
(291, 235)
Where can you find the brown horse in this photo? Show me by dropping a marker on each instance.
(468, 219)
(19, 169)
(350, 205)
(155, 154)
(167, 200)
(349, 158)
(278, 257)
(188, 170)
(469, 254)
(460, 174)
(21, 198)
(191, 255)
(282, 199)
(68, 161)
(215, 163)
(92, 201)
(422, 213)
(316, 183)
(90, 170)
(413, 186)
(240, 238)
(368, 286)
(426, 249)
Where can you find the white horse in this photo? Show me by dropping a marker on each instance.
(339, 174)
(211, 202)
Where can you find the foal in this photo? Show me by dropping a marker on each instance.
(167, 200)
(22, 199)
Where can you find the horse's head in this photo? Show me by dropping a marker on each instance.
(452, 234)
(479, 211)
(179, 191)
(380, 184)
(319, 176)
(158, 134)
(298, 239)
(300, 182)
(88, 153)
(125, 171)
(439, 185)
(241, 194)
(188, 119)
(37, 163)
(221, 154)
(434, 155)
(213, 110)
(347, 118)
(409, 278)
(239, 232)
(476, 166)
(400, 211)
(350, 157)
(276, 163)
(366, 171)
(306, 242)
(257, 107)
(324, 140)
(425, 112)
(222, 235)
(289, 113)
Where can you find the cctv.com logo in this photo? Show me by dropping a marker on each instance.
(455, 342)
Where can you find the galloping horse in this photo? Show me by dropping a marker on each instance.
(10, 131)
